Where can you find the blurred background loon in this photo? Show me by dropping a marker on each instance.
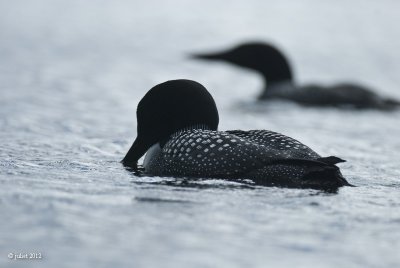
(279, 83)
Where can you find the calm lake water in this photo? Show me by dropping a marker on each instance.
(71, 75)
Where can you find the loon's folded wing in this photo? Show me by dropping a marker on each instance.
(224, 155)
(213, 153)
(272, 140)
(216, 153)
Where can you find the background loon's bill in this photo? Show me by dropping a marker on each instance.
(177, 127)
(272, 64)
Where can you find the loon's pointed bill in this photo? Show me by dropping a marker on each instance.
(210, 56)
(178, 131)
(274, 67)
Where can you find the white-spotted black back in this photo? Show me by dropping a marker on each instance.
(273, 140)
(209, 153)
(217, 153)
(261, 156)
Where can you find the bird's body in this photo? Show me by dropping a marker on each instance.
(198, 149)
(340, 95)
(265, 157)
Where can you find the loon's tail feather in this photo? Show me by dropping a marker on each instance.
(391, 103)
(328, 178)
(322, 161)
(321, 173)
(331, 160)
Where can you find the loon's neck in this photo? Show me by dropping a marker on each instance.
(196, 126)
(151, 153)
(279, 87)
(156, 148)
(178, 132)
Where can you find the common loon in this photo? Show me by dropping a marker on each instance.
(177, 125)
(276, 71)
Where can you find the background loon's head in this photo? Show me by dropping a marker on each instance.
(262, 57)
(167, 108)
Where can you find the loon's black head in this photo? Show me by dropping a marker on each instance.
(262, 57)
(168, 108)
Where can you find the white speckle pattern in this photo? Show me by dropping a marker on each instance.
(273, 140)
(234, 154)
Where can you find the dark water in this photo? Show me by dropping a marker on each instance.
(71, 74)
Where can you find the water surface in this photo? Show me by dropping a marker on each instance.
(71, 75)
